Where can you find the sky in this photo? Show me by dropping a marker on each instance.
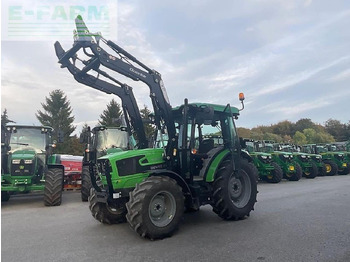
(291, 59)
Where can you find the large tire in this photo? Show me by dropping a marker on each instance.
(85, 184)
(156, 207)
(331, 167)
(53, 187)
(276, 174)
(298, 173)
(103, 212)
(345, 171)
(312, 171)
(234, 195)
(322, 171)
(5, 196)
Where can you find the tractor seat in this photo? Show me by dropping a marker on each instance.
(206, 145)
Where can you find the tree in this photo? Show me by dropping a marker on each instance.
(5, 119)
(149, 128)
(303, 123)
(283, 128)
(244, 132)
(299, 138)
(111, 114)
(337, 129)
(57, 113)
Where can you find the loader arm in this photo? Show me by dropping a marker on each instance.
(123, 91)
(127, 65)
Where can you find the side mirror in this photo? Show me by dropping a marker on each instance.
(84, 136)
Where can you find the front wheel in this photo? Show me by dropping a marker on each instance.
(331, 167)
(234, 194)
(85, 184)
(155, 207)
(297, 174)
(311, 172)
(276, 174)
(53, 187)
(5, 196)
(104, 212)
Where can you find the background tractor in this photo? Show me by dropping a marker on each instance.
(308, 167)
(29, 164)
(290, 168)
(151, 187)
(316, 158)
(268, 170)
(100, 141)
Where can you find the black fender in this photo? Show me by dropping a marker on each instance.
(246, 155)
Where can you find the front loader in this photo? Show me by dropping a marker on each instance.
(151, 187)
(29, 164)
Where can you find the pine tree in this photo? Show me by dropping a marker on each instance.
(5, 119)
(111, 114)
(57, 113)
(149, 129)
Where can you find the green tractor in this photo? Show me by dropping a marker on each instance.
(151, 187)
(334, 160)
(29, 164)
(316, 158)
(268, 170)
(305, 161)
(290, 168)
(100, 141)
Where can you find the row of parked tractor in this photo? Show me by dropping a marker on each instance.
(276, 161)
(193, 158)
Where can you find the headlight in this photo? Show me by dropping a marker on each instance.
(318, 157)
(264, 157)
(16, 161)
(285, 156)
(340, 155)
(28, 161)
(303, 156)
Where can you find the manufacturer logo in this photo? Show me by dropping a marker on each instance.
(137, 72)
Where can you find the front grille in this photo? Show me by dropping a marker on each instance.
(22, 169)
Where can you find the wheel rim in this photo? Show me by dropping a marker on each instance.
(240, 189)
(328, 168)
(162, 209)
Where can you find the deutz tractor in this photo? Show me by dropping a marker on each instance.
(316, 158)
(335, 160)
(268, 170)
(151, 187)
(308, 167)
(29, 164)
(290, 168)
(100, 141)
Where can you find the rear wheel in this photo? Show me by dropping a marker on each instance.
(311, 172)
(5, 196)
(234, 195)
(85, 184)
(276, 174)
(155, 207)
(297, 174)
(331, 167)
(53, 187)
(105, 213)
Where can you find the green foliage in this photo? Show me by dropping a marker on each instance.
(5, 119)
(271, 136)
(244, 132)
(299, 138)
(111, 114)
(337, 129)
(57, 113)
(303, 123)
(149, 128)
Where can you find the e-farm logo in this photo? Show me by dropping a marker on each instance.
(47, 20)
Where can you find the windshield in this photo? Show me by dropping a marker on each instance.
(112, 138)
(321, 149)
(28, 137)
